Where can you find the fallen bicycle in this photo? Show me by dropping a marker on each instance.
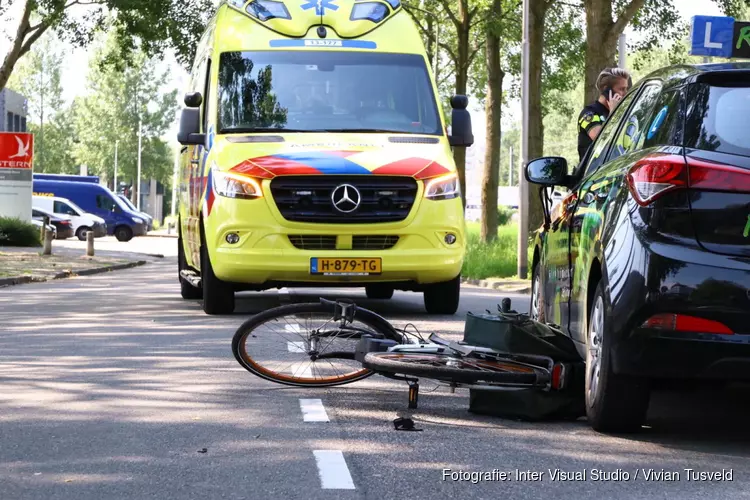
(505, 358)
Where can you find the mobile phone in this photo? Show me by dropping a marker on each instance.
(606, 92)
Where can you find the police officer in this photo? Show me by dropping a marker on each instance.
(613, 84)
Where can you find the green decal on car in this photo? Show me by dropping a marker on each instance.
(747, 228)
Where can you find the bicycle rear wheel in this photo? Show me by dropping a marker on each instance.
(449, 368)
(285, 345)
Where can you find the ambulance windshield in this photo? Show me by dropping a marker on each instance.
(311, 91)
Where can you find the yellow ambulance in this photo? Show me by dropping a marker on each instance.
(315, 153)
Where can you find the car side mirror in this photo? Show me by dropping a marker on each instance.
(461, 133)
(190, 127)
(547, 171)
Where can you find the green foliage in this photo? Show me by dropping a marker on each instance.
(498, 259)
(149, 25)
(38, 77)
(504, 215)
(141, 99)
(15, 232)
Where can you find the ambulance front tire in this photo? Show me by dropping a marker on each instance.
(218, 296)
(443, 298)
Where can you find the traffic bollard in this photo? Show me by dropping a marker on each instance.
(48, 242)
(90, 243)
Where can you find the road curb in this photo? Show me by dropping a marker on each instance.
(4, 282)
(498, 285)
(160, 236)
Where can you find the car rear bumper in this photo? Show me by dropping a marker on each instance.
(684, 356)
(705, 286)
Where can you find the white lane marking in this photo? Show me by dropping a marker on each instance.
(303, 370)
(295, 346)
(294, 328)
(313, 410)
(332, 469)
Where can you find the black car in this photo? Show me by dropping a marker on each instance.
(61, 222)
(646, 263)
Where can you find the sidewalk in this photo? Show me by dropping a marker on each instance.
(506, 285)
(26, 265)
(162, 233)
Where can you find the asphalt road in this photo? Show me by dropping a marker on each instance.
(113, 387)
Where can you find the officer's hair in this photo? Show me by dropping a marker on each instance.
(609, 77)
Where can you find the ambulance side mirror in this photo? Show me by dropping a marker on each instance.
(461, 132)
(190, 127)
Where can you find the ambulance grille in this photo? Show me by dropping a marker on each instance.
(309, 198)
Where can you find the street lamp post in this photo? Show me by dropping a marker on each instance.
(523, 185)
(117, 143)
(138, 183)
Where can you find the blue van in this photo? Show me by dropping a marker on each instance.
(122, 222)
(95, 180)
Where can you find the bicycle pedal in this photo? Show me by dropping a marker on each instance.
(405, 424)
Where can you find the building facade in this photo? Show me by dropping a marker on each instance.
(13, 111)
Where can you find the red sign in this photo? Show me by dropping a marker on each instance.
(16, 150)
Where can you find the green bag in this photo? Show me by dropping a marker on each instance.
(517, 334)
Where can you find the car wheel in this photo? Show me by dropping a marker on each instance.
(218, 296)
(536, 308)
(188, 291)
(123, 233)
(614, 403)
(81, 232)
(379, 292)
(443, 298)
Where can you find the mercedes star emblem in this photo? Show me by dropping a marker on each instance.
(346, 198)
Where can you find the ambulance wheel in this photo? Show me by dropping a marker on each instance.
(443, 298)
(380, 292)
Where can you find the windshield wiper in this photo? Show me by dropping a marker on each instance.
(366, 130)
(250, 130)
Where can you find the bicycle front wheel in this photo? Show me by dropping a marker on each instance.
(449, 368)
(301, 345)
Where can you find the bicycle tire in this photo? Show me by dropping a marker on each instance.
(368, 318)
(414, 364)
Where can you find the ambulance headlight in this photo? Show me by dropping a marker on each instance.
(233, 185)
(445, 187)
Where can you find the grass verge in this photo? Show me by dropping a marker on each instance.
(498, 259)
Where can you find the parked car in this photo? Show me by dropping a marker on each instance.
(62, 223)
(39, 223)
(646, 263)
(96, 199)
(82, 221)
(149, 220)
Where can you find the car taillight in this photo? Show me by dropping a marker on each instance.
(685, 323)
(656, 175)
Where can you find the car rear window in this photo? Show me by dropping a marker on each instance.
(717, 119)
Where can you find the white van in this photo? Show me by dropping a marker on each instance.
(82, 221)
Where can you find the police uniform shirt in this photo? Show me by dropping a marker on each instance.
(592, 115)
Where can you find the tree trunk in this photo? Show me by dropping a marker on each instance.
(538, 12)
(493, 108)
(462, 77)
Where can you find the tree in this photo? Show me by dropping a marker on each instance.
(38, 79)
(465, 19)
(140, 100)
(155, 24)
(555, 59)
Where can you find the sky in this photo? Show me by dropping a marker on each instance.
(75, 65)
